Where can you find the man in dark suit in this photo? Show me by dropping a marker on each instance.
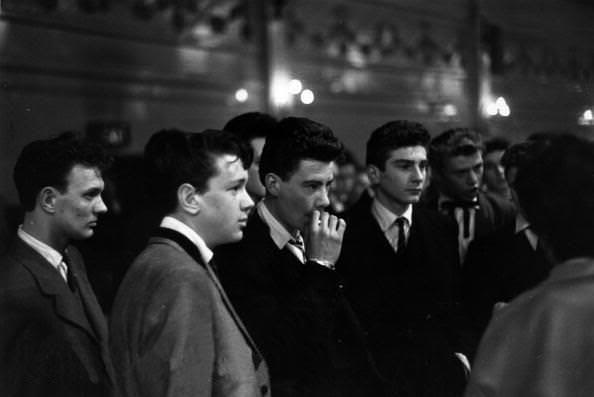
(456, 163)
(174, 332)
(53, 338)
(400, 265)
(509, 261)
(281, 277)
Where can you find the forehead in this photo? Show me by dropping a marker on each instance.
(84, 176)
(228, 167)
(457, 163)
(313, 170)
(413, 153)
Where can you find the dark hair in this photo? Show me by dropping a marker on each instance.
(520, 154)
(556, 191)
(394, 135)
(251, 125)
(173, 157)
(295, 139)
(48, 162)
(452, 143)
(496, 144)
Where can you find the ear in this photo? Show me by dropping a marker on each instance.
(47, 199)
(272, 183)
(188, 199)
(374, 174)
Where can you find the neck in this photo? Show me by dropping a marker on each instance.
(392, 205)
(273, 206)
(42, 231)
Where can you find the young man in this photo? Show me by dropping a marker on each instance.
(173, 330)
(456, 163)
(53, 336)
(281, 277)
(252, 128)
(509, 261)
(494, 180)
(541, 343)
(400, 265)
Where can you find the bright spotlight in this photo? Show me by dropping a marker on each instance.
(307, 97)
(241, 95)
(295, 86)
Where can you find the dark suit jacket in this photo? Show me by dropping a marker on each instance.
(52, 343)
(298, 316)
(499, 267)
(408, 303)
(493, 214)
(174, 332)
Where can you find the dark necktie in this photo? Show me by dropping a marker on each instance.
(400, 222)
(450, 208)
(298, 243)
(70, 274)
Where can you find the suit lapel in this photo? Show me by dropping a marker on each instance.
(52, 285)
(193, 251)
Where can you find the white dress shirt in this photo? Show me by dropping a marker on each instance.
(51, 255)
(387, 222)
(172, 223)
(278, 233)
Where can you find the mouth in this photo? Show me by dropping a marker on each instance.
(414, 190)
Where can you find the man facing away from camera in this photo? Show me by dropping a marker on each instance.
(53, 338)
(174, 332)
(281, 277)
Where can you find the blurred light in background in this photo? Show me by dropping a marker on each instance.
(587, 118)
(497, 107)
(450, 110)
(241, 95)
(295, 86)
(281, 97)
(307, 97)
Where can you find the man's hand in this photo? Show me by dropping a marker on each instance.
(324, 238)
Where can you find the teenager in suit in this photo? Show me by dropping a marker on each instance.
(509, 261)
(53, 336)
(173, 330)
(400, 265)
(281, 277)
(541, 343)
(456, 163)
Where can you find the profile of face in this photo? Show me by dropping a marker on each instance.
(345, 181)
(225, 205)
(77, 208)
(494, 175)
(461, 176)
(401, 182)
(306, 190)
(254, 185)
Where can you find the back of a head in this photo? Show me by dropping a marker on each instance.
(295, 139)
(518, 155)
(556, 191)
(452, 143)
(392, 136)
(497, 144)
(48, 162)
(251, 125)
(173, 157)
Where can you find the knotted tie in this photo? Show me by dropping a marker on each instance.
(66, 271)
(299, 245)
(401, 244)
(450, 207)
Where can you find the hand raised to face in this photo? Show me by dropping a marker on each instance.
(324, 237)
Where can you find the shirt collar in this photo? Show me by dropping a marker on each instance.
(172, 223)
(278, 233)
(521, 223)
(386, 218)
(50, 254)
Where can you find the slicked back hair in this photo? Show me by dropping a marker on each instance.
(48, 162)
(394, 135)
(452, 143)
(295, 139)
(173, 157)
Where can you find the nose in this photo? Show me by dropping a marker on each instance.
(418, 174)
(246, 201)
(323, 201)
(473, 178)
(100, 207)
